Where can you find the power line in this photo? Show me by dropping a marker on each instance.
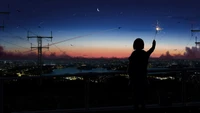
(187, 44)
(19, 37)
(36, 35)
(77, 37)
(83, 36)
(14, 44)
(192, 31)
(59, 49)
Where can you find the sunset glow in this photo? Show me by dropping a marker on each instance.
(97, 28)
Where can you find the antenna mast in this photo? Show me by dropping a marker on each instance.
(196, 41)
(4, 13)
(39, 48)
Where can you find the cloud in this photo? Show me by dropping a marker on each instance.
(166, 56)
(190, 53)
(5, 55)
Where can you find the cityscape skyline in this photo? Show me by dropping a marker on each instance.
(100, 28)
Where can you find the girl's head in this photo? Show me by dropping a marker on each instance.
(138, 44)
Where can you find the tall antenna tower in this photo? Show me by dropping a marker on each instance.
(2, 26)
(196, 41)
(4, 13)
(39, 48)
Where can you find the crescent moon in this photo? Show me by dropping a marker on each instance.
(98, 10)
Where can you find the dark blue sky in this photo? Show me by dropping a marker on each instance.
(96, 22)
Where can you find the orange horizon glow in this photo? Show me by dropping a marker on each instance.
(97, 52)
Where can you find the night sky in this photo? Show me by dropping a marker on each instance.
(90, 28)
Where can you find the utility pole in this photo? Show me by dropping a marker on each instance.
(196, 41)
(2, 81)
(4, 13)
(195, 31)
(3, 26)
(39, 48)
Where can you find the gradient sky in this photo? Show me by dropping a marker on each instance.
(96, 24)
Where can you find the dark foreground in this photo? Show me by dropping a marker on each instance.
(127, 109)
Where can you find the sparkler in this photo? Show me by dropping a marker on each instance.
(158, 28)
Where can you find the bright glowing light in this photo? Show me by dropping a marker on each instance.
(158, 28)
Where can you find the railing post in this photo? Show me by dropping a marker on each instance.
(183, 86)
(87, 81)
(1, 96)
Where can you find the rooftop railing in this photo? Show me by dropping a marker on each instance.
(167, 87)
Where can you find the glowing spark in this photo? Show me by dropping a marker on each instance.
(158, 28)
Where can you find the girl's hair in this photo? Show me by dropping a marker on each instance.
(138, 44)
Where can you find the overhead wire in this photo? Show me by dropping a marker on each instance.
(14, 44)
(79, 37)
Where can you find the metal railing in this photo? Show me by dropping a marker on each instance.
(187, 78)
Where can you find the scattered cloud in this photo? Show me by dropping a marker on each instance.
(17, 55)
(190, 53)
